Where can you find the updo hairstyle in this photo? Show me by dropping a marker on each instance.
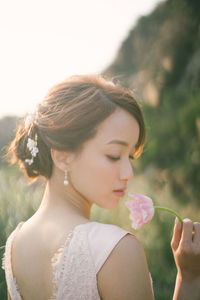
(69, 116)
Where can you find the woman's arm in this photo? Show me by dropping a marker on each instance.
(186, 250)
(186, 289)
(125, 274)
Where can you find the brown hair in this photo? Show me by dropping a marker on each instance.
(68, 116)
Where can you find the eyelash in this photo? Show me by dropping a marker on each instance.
(117, 158)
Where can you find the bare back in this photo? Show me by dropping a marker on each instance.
(33, 247)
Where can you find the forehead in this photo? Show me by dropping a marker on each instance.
(119, 125)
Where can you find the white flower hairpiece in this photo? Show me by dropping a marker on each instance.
(31, 144)
(29, 119)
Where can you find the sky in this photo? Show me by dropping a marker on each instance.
(45, 41)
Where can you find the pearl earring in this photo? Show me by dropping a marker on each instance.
(65, 179)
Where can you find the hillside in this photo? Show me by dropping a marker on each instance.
(160, 60)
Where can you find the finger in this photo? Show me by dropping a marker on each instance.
(196, 238)
(186, 237)
(176, 234)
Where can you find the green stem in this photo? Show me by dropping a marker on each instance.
(170, 211)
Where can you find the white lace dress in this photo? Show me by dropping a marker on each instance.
(76, 264)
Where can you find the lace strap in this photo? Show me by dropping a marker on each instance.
(59, 262)
(75, 273)
(78, 269)
(56, 262)
(10, 279)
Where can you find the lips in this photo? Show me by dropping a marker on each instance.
(119, 193)
(120, 190)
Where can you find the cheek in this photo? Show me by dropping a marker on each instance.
(106, 171)
(96, 174)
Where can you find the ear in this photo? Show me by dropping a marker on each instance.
(61, 159)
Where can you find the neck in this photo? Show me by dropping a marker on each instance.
(63, 200)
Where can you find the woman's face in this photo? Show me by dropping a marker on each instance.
(104, 164)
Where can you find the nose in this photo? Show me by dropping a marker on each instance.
(127, 172)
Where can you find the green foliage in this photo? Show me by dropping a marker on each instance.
(8, 126)
(174, 145)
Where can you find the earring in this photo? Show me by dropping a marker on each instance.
(65, 179)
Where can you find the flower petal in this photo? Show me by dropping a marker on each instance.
(141, 209)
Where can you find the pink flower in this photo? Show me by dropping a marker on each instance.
(141, 210)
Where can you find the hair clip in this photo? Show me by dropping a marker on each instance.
(31, 144)
(30, 119)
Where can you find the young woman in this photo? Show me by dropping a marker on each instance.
(82, 139)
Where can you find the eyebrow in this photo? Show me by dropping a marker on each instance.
(119, 142)
(123, 143)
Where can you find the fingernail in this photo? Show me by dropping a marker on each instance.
(177, 221)
(187, 219)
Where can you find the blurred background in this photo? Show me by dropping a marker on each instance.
(150, 46)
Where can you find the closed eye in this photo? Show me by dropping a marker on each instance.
(117, 158)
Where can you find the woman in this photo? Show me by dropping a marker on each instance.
(82, 139)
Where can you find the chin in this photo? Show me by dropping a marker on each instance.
(109, 202)
(112, 205)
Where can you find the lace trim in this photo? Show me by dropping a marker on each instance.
(76, 270)
(10, 279)
(56, 262)
(3, 261)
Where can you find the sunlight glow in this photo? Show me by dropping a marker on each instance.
(43, 42)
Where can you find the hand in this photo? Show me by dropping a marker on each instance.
(185, 245)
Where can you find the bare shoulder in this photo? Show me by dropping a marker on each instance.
(125, 274)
